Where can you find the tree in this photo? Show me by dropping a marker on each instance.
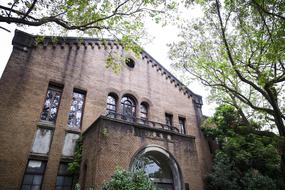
(123, 19)
(245, 160)
(237, 49)
(126, 180)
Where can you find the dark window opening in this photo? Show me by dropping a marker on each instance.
(168, 119)
(51, 104)
(144, 112)
(130, 62)
(182, 125)
(128, 108)
(64, 178)
(111, 106)
(33, 176)
(76, 110)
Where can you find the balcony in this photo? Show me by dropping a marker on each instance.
(141, 121)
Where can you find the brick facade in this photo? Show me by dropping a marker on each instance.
(74, 64)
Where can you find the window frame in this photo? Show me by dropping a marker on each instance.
(108, 110)
(84, 93)
(58, 89)
(133, 105)
(34, 173)
(170, 116)
(145, 113)
(183, 120)
(64, 175)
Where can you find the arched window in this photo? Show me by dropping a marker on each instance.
(128, 108)
(111, 105)
(144, 112)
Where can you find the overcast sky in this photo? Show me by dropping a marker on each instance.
(157, 48)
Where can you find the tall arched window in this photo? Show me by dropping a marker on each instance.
(111, 105)
(144, 112)
(128, 108)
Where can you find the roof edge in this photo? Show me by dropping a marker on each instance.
(24, 41)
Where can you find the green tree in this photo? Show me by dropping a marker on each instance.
(236, 48)
(118, 19)
(245, 159)
(126, 180)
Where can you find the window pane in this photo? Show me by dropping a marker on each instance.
(182, 125)
(36, 187)
(68, 181)
(37, 180)
(59, 180)
(35, 166)
(25, 187)
(42, 141)
(69, 144)
(51, 104)
(28, 179)
(76, 110)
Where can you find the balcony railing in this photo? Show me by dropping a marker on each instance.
(142, 121)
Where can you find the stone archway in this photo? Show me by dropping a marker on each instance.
(160, 165)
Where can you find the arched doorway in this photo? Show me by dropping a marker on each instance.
(160, 166)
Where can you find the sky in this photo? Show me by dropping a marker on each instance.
(157, 48)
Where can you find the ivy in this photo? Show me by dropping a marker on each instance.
(74, 166)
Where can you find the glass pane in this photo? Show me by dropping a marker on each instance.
(111, 100)
(28, 179)
(155, 166)
(67, 187)
(25, 187)
(51, 105)
(35, 166)
(36, 187)
(37, 180)
(58, 188)
(59, 180)
(69, 144)
(42, 141)
(76, 110)
(68, 181)
(63, 169)
(164, 186)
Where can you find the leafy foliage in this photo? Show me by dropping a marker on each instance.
(118, 19)
(74, 166)
(237, 49)
(126, 180)
(245, 160)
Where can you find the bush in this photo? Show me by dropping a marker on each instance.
(125, 180)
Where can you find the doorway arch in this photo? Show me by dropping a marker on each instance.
(160, 165)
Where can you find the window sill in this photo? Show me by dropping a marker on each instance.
(46, 124)
(73, 130)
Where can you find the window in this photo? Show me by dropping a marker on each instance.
(33, 175)
(130, 63)
(64, 178)
(111, 106)
(168, 119)
(182, 125)
(76, 110)
(144, 111)
(69, 144)
(128, 108)
(51, 104)
(42, 141)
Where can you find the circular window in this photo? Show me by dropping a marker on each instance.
(130, 63)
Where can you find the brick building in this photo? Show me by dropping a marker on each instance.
(140, 118)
